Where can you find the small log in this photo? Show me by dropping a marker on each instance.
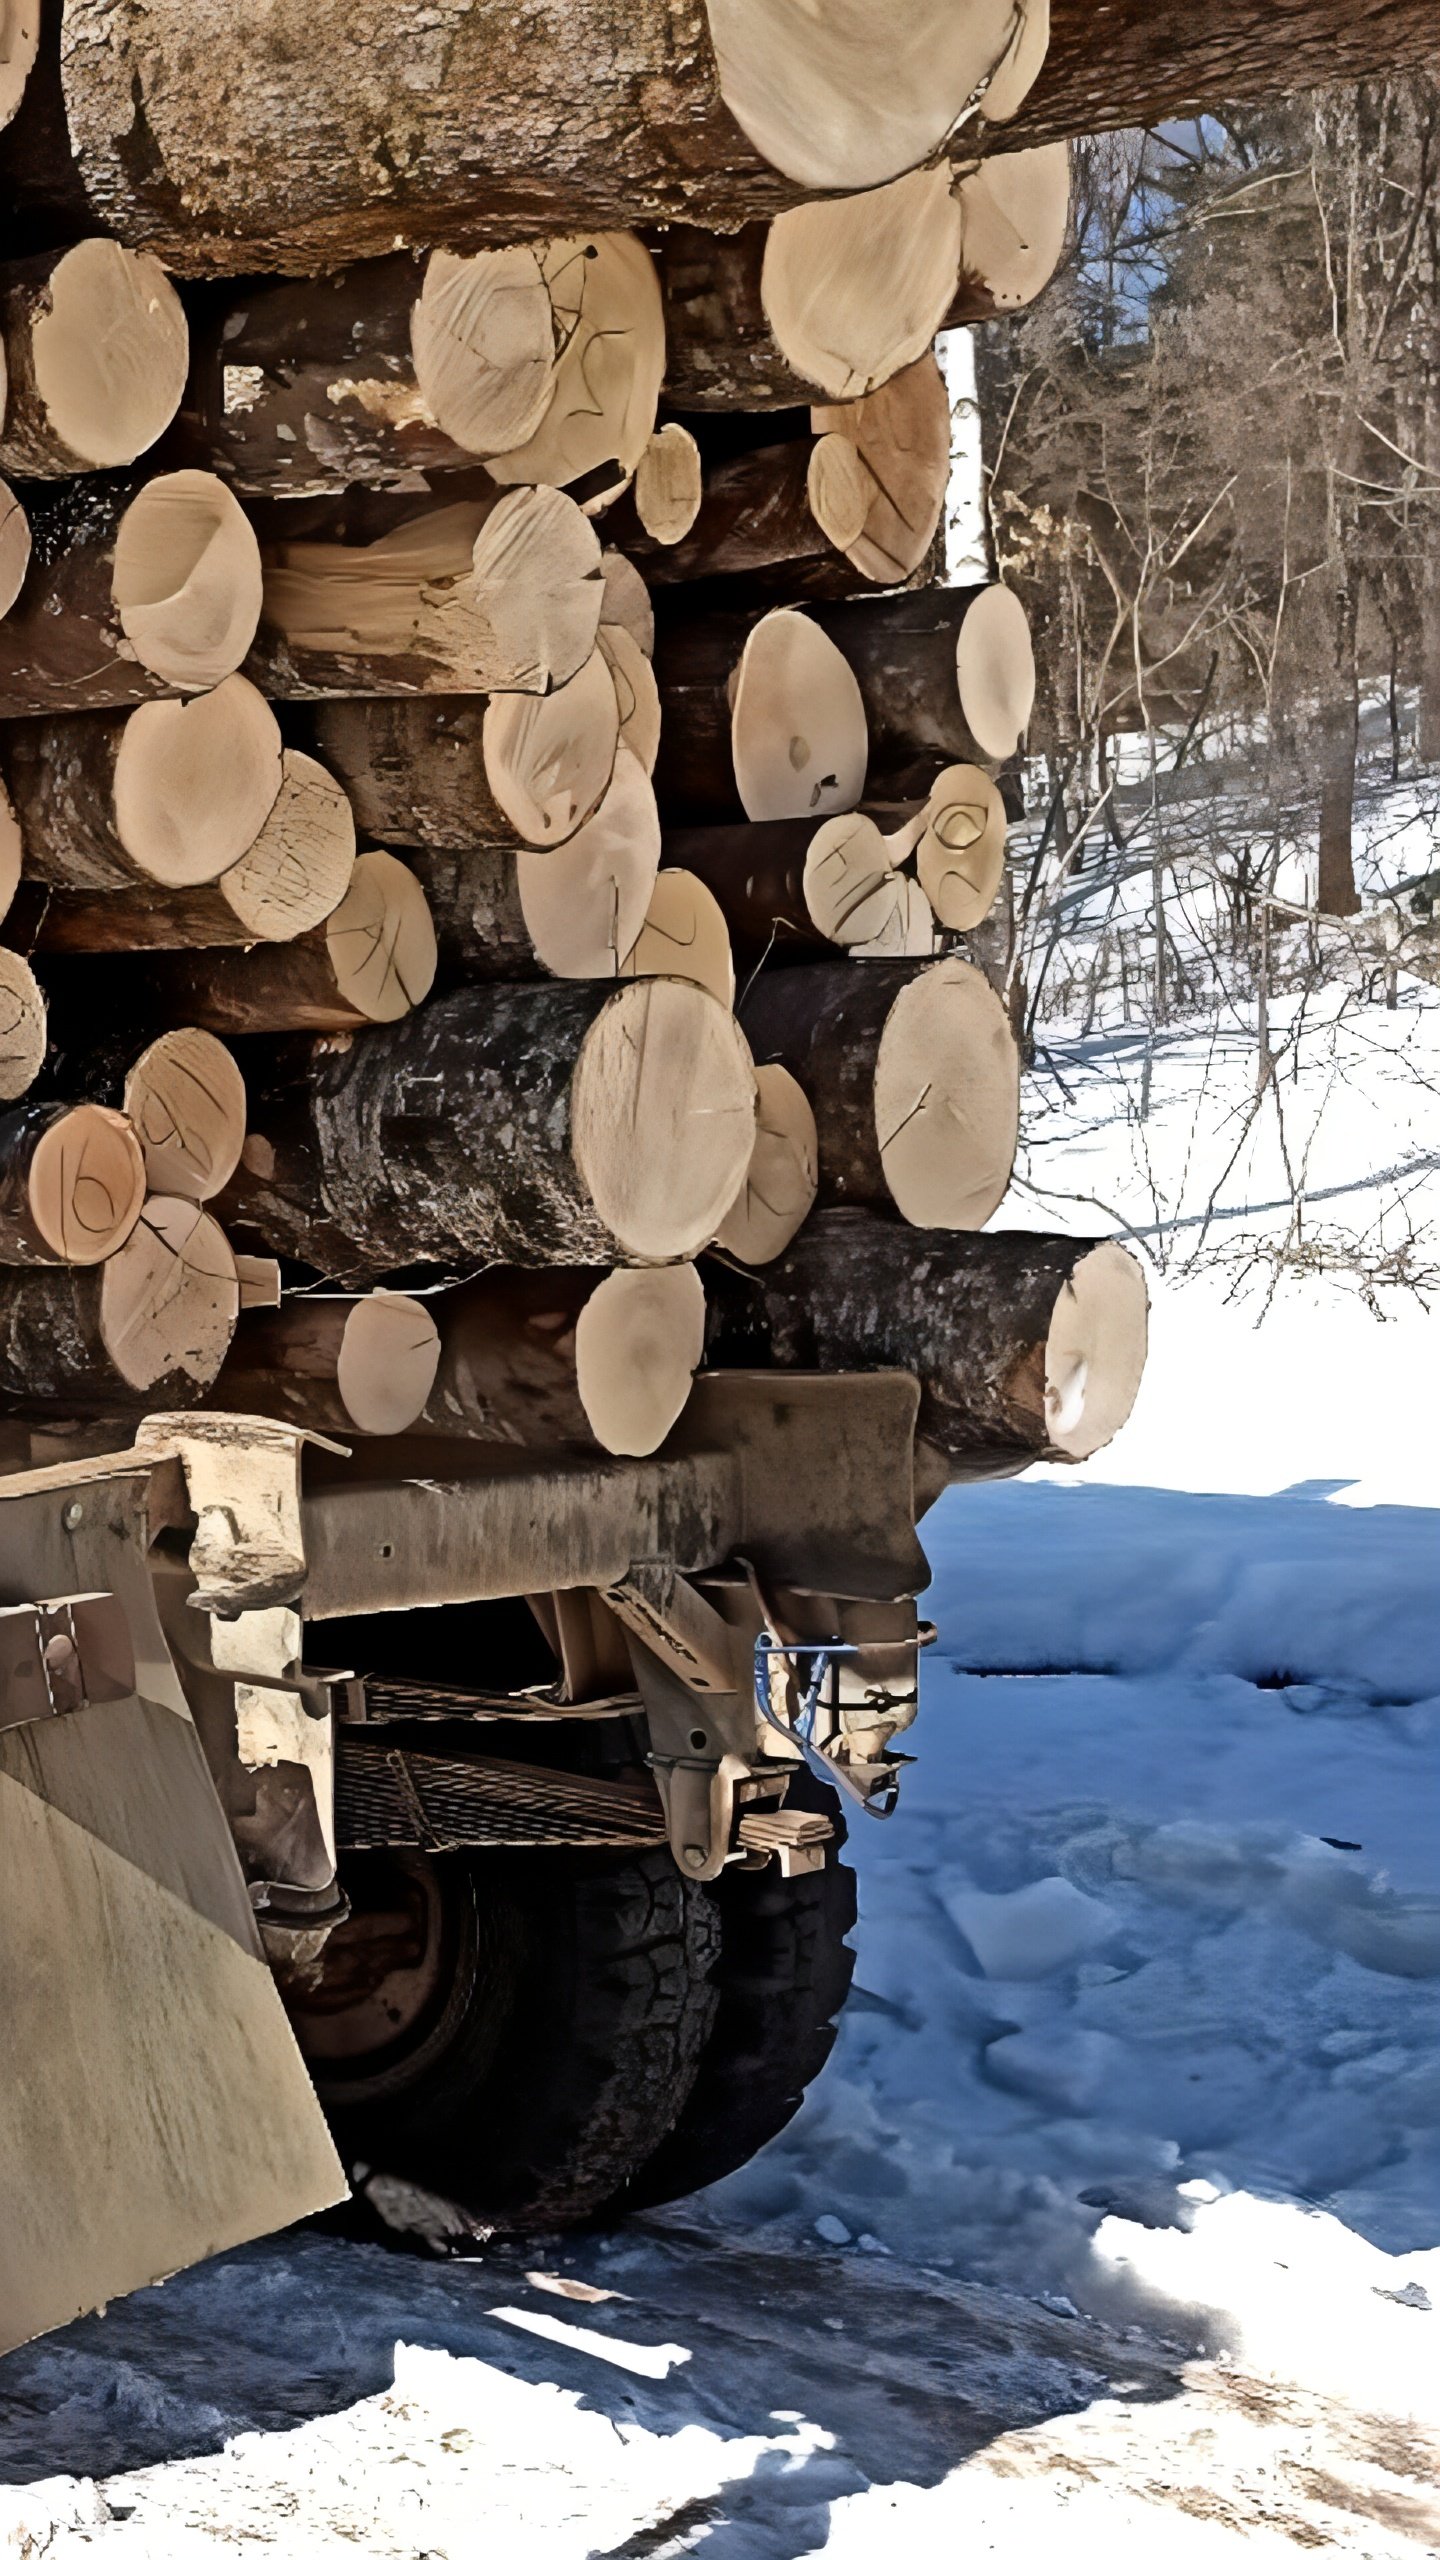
(168, 795)
(133, 591)
(1014, 213)
(95, 349)
(334, 1364)
(22, 31)
(370, 961)
(914, 1078)
(292, 878)
(829, 300)
(960, 852)
(760, 719)
(684, 935)
(534, 1125)
(947, 675)
(483, 596)
(569, 1358)
(148, 1327)
(14, 546)
(11, 852)
(513, 130)
(22, 1026)
(72, 1183)
(259, 1278)
(1028, 1348)
(800, 889)
(779, 1189)
(365, 377)
(668, 484)
(183, 1094)
(458, 772)
(574, 912)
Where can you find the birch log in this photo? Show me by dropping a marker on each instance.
(1029, 1349)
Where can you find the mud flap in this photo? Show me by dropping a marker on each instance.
(154, 2107)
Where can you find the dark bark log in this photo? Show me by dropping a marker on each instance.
(757, 876)
(912, 1073)
(474, 902)
(550, 1359)
(68, 643)
(481, 1129)
(335, 1365)
(973, 1317)
(1143, 66)
(719, 349)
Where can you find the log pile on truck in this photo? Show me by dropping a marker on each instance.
(506, 1076)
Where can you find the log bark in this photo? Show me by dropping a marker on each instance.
(95, 349)
(289, 882)
(457, 771)
(72, 1183)
(135, 590)
(1152, 66)
(334, 1365)
(370, 961)
(931, 696)
(913, 1076)
(720, 349)
(148, 1328)
(1028, 1348)
(168, 795)
(533, 1125)
(354, 129)
(553, 1359)
(496, 594)
(760, 718)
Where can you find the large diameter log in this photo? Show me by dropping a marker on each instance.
(370, 961)
(72, 1183)
(947, 676)
(131, 593)
(760, 719)
(95, 348)
(148, 1327)
(1028, 1348)
(1014, 214)
(22, 1026)
(534, 1125)
(498, 595)
(913, 1076)
(290, 879)
(169, 794)
(182, 1094)
(459, 771)
(549, 1359)
(354, 129)
(828, 301)
(334, 1364)
(502, 912)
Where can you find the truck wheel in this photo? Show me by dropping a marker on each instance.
(508, 2031)
(783, 1977)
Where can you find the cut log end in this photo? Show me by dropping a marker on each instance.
(960, 856)
(187, 580)
(1020, 65)
(108, 358)
(638, 1342)
(626, 605)
(1095, 1352)
(855, 288)
(381, 941)
(669, 484)
(662, 1117)
(799, 740)
(12, 851)
(852, 892)
(483, 340)
(538, 588)
(637, 695)
(86, 1183)
(169, 1299)
(14, 546)
(778, 1192)
(299, 868)
(549, 758)
(258, 1275)
(195, 782)
(1014, 215)
(995, 671)
(19, 44)
(898, 476)
(22, 1026)
(947, 1098)
(389, 1353)
(610, 329)
(684, 935)
(584, 904)
(185, 1097)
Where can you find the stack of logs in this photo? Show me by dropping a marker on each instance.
(500, 829)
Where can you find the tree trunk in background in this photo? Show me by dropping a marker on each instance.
(1428, 584)
(1136, 63)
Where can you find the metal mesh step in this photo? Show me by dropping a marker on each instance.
(395, 1701)
(386, 1798)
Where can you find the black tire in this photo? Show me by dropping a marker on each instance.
(570, 2007)
(783, 1978)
